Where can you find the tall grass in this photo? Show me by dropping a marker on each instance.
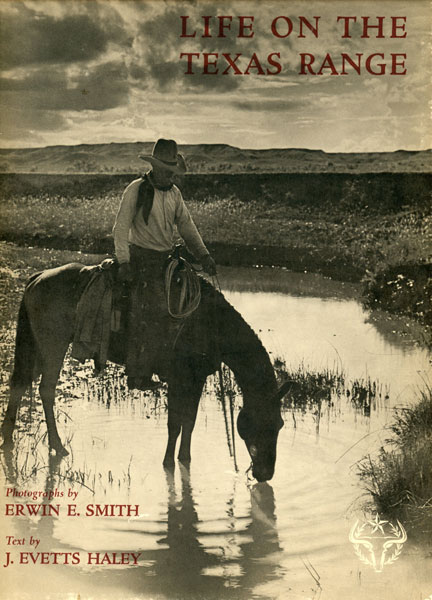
(400, 477)
(345, 233)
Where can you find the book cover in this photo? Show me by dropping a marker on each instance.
(306, 132)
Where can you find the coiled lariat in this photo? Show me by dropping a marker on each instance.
(187, 280)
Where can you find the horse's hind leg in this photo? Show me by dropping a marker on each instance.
(8, 425)
(47, 388)
(47, 392)
(23, 372)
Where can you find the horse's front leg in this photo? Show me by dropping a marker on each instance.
(174, 426)
(183, 398)
(189, 414)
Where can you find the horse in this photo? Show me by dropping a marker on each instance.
(215, 333)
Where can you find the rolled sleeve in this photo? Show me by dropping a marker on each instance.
(188, 230)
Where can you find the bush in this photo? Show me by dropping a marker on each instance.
(403, 289)
(400, 478)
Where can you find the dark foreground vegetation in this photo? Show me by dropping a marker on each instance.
(400, 478)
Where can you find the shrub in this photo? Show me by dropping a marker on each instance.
(400, 478)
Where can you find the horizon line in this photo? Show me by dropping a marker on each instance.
(216, 144)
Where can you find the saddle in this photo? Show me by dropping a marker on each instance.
(105, 307)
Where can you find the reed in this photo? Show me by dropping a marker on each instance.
(399, 479)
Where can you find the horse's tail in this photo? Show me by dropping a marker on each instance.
(25, 350)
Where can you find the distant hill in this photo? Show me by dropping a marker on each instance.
(209, 158)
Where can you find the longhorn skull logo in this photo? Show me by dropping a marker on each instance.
(375, 538)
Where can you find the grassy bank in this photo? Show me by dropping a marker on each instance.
(400, 478)
(18, 263)
(343, 241)
(404, 289)
(355, 229)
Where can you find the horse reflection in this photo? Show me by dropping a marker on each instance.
(190, 568)
(264, 540)
(180, 565)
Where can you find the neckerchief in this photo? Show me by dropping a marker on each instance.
(146, 195)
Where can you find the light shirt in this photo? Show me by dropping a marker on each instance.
(168, 211)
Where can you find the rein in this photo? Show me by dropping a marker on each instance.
(230, 433)
(190, 297)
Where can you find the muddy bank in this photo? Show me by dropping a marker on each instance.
(293, 259)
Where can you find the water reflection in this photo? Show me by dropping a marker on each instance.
(179, 567)
(192, 561)
(263, 541)
(201, 562)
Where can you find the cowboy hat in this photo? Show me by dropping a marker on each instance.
(165, 154)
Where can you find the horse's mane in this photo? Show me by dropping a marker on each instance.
(212, 293)
(249, 359)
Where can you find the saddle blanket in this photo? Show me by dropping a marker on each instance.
(93, 319)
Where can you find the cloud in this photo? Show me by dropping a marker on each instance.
(70, 68)
(17, 122)
(105, 86)
(40, 79)
(30, 37)
(268, 105)
(98, 88)
(158, 46)
(163, 72)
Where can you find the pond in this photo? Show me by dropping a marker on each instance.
(208, 532)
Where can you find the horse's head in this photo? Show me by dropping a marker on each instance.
(259, 425)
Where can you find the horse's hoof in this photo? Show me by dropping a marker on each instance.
(60, 451)
(7, 444)
(7, 435)
(185, 460)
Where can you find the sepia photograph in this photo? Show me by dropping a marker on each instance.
(215, 300)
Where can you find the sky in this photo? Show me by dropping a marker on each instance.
(101, 71)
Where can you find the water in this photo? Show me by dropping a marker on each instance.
(206, 532)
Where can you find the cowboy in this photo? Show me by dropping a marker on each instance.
(144, 235)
